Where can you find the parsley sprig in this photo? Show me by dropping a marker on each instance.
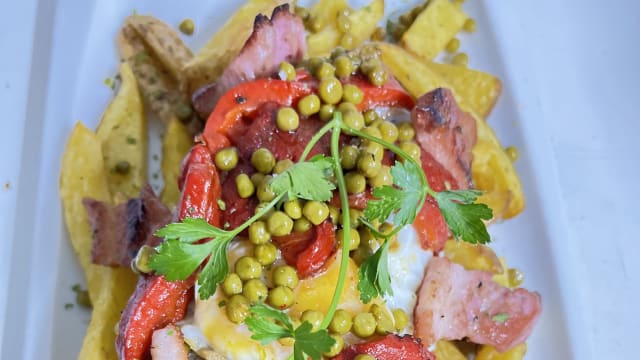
(268, 324)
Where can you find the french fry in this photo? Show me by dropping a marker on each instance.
(325, 12)
(164, 42)
(175, 146)
(123, 135)
(473, 256)
(363, 24)
(158, 88)
(488, 352)
(480, 90)
(209, 63)
(83, 175)
(446, 350)
(492, 170)
(434, 27)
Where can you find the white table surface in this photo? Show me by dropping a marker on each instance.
(582, 57)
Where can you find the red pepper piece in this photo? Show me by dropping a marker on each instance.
(310, 250)
(156, 301)
(390, 347)
(430, 224)
(381, 96)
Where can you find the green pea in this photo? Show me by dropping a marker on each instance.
(370, 116)
(232, 284)
(264, 192)
(244, 186)
(282, 165)
(364, 325)
(258, 233)
(352, 94)
(337, 52)
(469, 25)
(344, 66)
(386, 228)
(281, 297)
(354, 217)
(313, 317)
(453, 45)
(345, 107)
(238, 308)
(364, 357)
(341, 322)
(460, 59)
(356, 183)
(326, 112)
(400, 319)
(260, 207)
(384, 321)
(265, 253)
(334, 214)
(337, 346)
(389, 131)
(353, 119)
(382, 178)
(412, 149)
(287, 119)
(301, 225)
(255, 290)
(370, 64)
(372, 131)
(368, 165)
(406, 132)
(263, 160)
(187, 26)
(226, 159)
(330, 90)
(247, 268)
(379, 34)
(315, 211)
(285, 275)
(309, 105)
(293, 209)
(325, 70)
(348, 157)
(374, 149)
(286, 71)
(257, 179)
(378, 76)
(354, 238)
(361, 253)
(279, 224)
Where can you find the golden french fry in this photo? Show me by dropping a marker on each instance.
(480, 90)
(473, 256)
(492, 170)
(123, 134)
(159, 89)
(164, 43)
(436, 25)
(446, 350)
(488, 352)
(363, 24)
(175, 146)
(325, 12)
(209, 63)
(82, 175)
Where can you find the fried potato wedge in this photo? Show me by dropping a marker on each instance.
(163, 41)
(488, 352)
(492, 170)
(438, 23)
(480, 90)
(209, 63)
(175, 145)
(82, 175)
(159, 89)
(363, 24)
(325, 12)
(123, 134)
(446, 350)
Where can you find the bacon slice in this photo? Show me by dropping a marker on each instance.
(119, 231)
(454, 303)
(273, 41)
(168, 344)
(446, 132)
(390, 347)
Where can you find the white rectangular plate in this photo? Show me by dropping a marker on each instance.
(75, 51)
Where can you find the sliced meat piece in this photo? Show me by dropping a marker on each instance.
(446, 132)
(390, 347)
(273, 41)
(454, 303)
(119, 231)
(168, 344)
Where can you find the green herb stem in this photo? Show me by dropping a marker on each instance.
(314, 140)
(256, 216)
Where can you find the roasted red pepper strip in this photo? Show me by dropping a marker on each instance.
(156, 301)
(390, 347)
(245, 98)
